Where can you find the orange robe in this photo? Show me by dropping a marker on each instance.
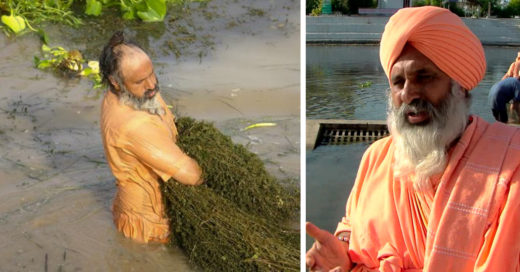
(514, 69)
(468, 221)
(140, 149)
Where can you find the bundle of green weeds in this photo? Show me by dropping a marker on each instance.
(216, 235)
(237, 220)
(234, 172)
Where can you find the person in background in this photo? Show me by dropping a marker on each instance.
(514, 69)
(503, 92)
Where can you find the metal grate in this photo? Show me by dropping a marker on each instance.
(341, 134)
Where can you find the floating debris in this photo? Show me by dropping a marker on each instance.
(70, 62)
(260, 125)
(366, 84)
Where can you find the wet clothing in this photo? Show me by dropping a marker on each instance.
(500, 94)
(140, 150)
(467, 221)
(441, 36)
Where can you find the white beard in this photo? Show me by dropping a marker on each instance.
(151, 105)
(421, 150)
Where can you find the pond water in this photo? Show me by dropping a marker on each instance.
(334, 76)
(223, 61)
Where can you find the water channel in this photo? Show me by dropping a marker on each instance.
(233, 63)
(347, 82)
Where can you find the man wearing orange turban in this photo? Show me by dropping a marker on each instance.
(139, 136)
(442, 192)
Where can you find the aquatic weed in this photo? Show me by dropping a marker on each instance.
(238, 219)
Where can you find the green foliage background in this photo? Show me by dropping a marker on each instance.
(341, 6)
(69, 12)
(352, 6)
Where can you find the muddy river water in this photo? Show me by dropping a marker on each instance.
(230, 62)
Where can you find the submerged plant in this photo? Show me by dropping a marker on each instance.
(365, 84)
(238, 219)
(146, 10)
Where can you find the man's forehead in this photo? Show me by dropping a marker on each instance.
(132, 59)
(132, 54)
(413, 60)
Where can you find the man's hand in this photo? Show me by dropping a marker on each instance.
(327, 253)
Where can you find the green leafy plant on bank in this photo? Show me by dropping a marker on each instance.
(15, 23)
(146, 10)
(69, 62)
(19, 15)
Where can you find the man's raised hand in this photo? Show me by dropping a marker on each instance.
(327, 252)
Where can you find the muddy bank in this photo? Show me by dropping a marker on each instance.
(54, 181)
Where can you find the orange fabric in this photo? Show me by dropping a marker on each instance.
(441, 36)
(140, 148)
(472, 214)
(514, 69)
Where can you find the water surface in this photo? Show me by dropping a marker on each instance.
(335, 75)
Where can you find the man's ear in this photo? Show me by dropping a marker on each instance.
(114, 83)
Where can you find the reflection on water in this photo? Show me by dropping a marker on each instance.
(335, 75)
(331, 171)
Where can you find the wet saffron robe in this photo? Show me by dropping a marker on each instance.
(468, 221)
(140, 150)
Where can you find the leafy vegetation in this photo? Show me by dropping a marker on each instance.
(313, 7)
(477, 8)
(512, 9)
(68, 62)
(17, 14)
(34, 13)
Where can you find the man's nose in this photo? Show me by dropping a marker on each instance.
(410, 92)
(150, 83)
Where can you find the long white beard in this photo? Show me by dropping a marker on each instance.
(151, 105)
(421, 150)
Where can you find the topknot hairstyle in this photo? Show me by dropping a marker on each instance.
(111, 56)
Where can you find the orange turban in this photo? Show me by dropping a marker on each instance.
(441, 36)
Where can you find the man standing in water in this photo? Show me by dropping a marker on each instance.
(139, 136)
(442, 192)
